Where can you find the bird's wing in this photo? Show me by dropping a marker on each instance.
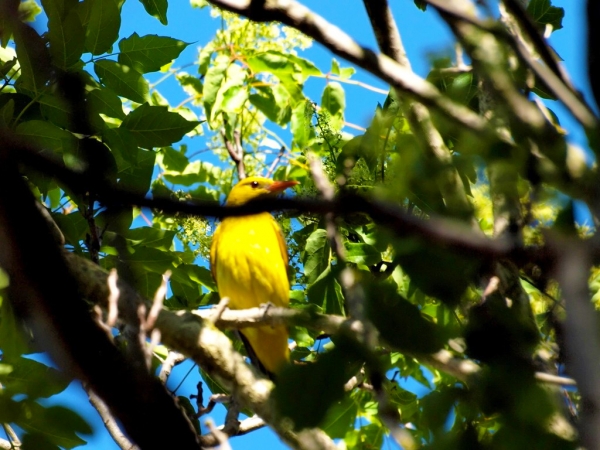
(213, 252)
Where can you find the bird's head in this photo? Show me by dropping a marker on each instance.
(255, 187)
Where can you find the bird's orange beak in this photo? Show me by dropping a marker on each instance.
(279, 186)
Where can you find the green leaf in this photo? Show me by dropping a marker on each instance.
(301, 124)
(542, 12)
(322, 386)
(400, 322)
(151, 237)
(404, 400)
(367, 437)
(453, 272)
(360, 253)
(56, 109)
(48, 137)
(7, 112)
(138, 176)
(7, 62)
(149, 53)
(56, 423)
(421, 4)
(174, 160)
(212, 82)
(34, 60)
(155, 126)
(307, 68)
(340, 418)
(157, 9)
(105, 101)
(191, 84)
(326, 292)
(184, 296)
(272, 62)
(316, 255)
(67, 38)
(191, 273)
(122, 79)
(37, 441)
(34, 378)
(151, 259)
(234, 99)
(73, 226)
(343, 73)
(334, 99)
(205, 193)
(102, 30)
(11, 330)
(231, 93)
(123, 146)
(273, 102)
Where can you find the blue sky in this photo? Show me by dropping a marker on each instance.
(422, 33)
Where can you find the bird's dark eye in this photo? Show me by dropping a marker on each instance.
(254, 184)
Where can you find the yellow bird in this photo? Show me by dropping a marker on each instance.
(248, 260)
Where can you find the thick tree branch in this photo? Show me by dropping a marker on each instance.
(581, 335)
(63, 325)
(201, 341)
(436, 230)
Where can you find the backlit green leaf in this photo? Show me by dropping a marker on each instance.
(157, 9)
(149, 53)
(103, 28)
(122, 79)
(156, 126)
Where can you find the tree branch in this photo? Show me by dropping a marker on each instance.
(109, 422)
(449, 181)
(581, 334)
(63, 325)
(198, 339)
(236, 152)
(296, 15)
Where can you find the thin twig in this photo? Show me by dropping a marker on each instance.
(236, 152)
(109, 422)
(13, 439)
(276, 161)
(173, 359)
(220, 436)
(219, 309)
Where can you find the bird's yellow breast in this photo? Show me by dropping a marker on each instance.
(251, 266)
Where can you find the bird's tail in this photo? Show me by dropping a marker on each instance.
(254, 359)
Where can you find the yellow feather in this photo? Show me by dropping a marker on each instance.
(248, 258)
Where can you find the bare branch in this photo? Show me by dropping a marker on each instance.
(449, 181)
(276, 161)
(582, 345)
(109, 422)
(236, 152)
(13, 440)
(294, 14)
(173, 358)
(113, 299)
(220, 436)
(218, 310)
